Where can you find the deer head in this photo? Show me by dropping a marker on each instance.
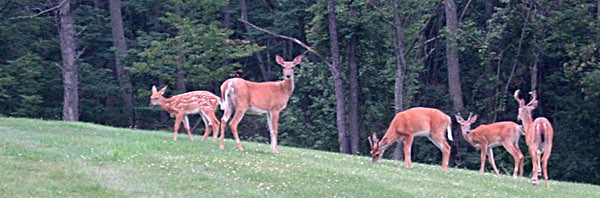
(377, 147)
(525, 109)
(465, 125)
(288, 66)
(157, 96)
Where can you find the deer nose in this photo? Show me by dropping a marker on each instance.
(288, 76)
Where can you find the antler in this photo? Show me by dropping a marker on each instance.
(373, 140)
(533, 97)
(370, 142)
(517, 96)
(470, 114)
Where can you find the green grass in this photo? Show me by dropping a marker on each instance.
(53, 158)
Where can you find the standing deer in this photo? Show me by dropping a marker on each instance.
(258, 98)
(179, 106)
(486, 137)
(418, 121)
(538, 136)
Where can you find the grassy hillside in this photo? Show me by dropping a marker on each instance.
(52, 159)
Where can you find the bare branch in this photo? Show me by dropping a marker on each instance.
(58, 65)
(83, 29)
(385, 19)
(295, 40)
(41, 12)
(463, 11)
(412, 45)
(79, 54)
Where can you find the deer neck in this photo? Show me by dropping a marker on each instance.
(468, 138)
(166, 105)
(288, 85)
(527, 120)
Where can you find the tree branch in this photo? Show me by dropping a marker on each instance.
(295, 40)
(79, 54)
(385, 19)
(463, 11)
(41, 12)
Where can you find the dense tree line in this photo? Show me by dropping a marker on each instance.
(95, 61)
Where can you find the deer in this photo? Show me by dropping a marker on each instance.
(259, 98)
(538, 136)
(179, 106)
(417, 121)
(486, 137)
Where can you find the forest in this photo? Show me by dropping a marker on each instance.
(363, 61)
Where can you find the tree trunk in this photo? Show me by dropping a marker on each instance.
(534, 72)
(334, 67)
(261, 64)
(353, 118)
(118, 39)
(400, 70)
(180, 81)
(452, 55)
(66, 31)
(489, 9)
(226, 24)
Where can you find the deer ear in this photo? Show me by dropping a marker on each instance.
(459, 118)
(384, 141)
(162, 91)
(279, 60)
(473, 119)
(298, 59)
(154, 89)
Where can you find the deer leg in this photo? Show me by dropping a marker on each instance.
(483, 155)
(207, 126)
(517, 156)
(178, 120)
(224, 119)
(186, 125)
(239, 114)
(547, 152)
(407, 150)
(491, 160)
(273, 120)
(521, 159)
(440, 141)
(539, 162)
(534, 162)
(214, 124)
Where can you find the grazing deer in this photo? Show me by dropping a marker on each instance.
(258, 98)
(179, 106)
(538, 136)
(418, 121)
(486, 137)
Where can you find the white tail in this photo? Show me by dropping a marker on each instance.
(225, 98)
(450, 132)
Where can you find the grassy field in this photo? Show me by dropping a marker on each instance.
(57, 159)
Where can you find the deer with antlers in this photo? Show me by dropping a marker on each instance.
(418, 121)
(538, 136)
(179, 106)
(486, 137)
(268, 98)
